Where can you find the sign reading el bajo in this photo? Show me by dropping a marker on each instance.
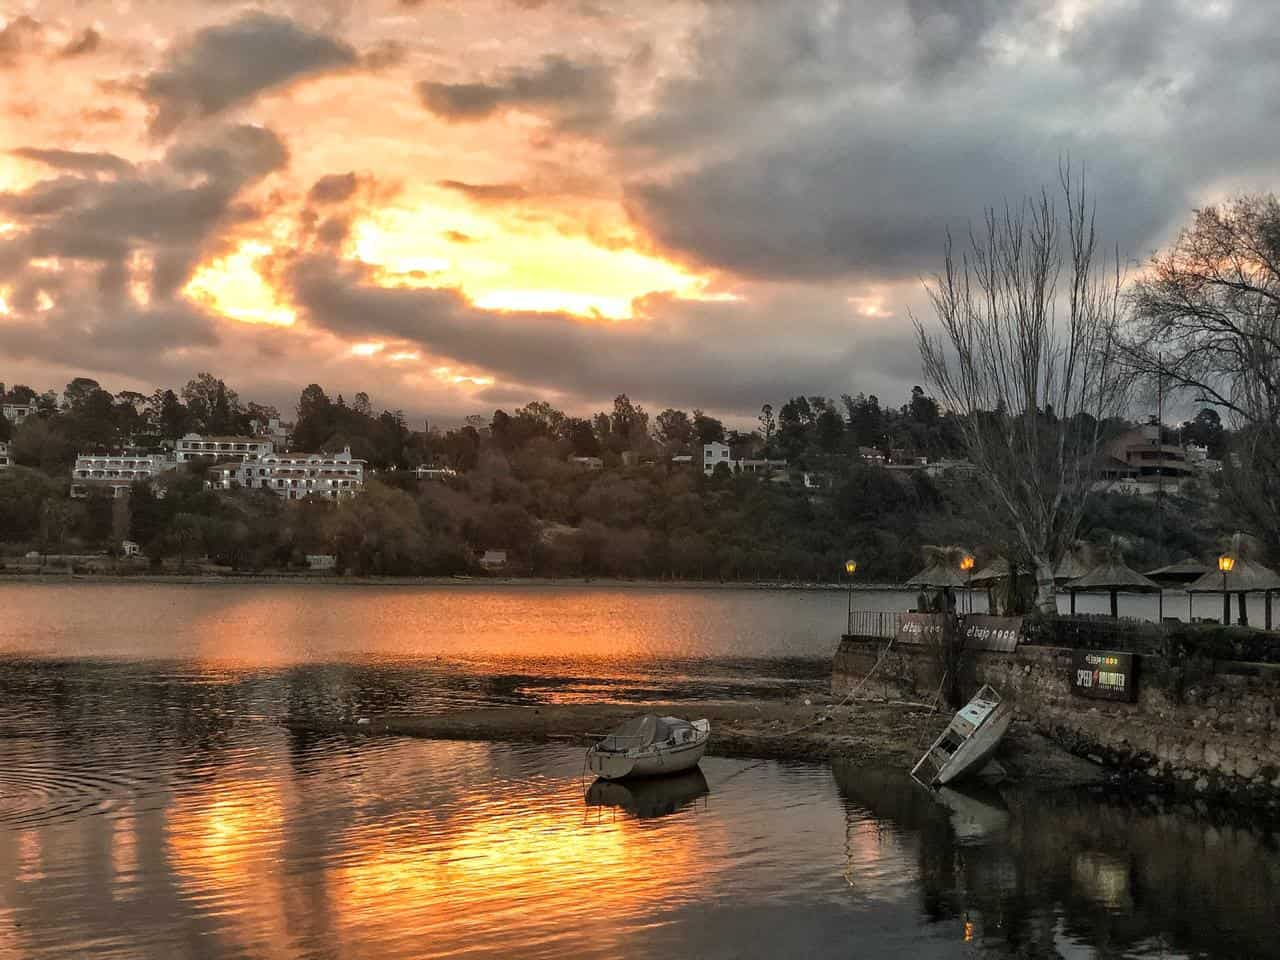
(1104, 675)
(997, 634)
(980, 632)
(920, 628)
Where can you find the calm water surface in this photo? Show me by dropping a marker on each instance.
(153, 804)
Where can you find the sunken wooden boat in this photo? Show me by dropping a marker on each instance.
(968, 742)
(649, 746)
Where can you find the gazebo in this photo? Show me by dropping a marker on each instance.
(1245, 576)
(1113, 578)
(1182, 572)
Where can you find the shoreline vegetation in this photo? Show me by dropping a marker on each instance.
(348, 580)
(892, 734)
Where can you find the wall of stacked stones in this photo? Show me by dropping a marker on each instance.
(1211, 727)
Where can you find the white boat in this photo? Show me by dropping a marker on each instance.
(649, 745)
(968, 742)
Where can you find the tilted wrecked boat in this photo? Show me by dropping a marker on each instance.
(968, 742)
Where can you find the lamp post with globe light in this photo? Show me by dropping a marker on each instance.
(1226, 563)
(850, 568)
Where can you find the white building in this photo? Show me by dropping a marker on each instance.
(17, 412)
(277, 432)
(195, 447)
(294, 476)
(322, 561)
(4, 455)
(713, 453)
(114, 472)
(716, 452)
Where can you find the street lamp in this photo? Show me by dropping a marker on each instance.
(850, 568)
(966, 564)
(1226, 563)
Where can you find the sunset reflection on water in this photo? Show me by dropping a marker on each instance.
(156, 803)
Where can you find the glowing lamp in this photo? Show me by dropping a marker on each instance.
(967, 563)
(1226, 563)
(851, 567)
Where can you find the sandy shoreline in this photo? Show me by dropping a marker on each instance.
(873, 733)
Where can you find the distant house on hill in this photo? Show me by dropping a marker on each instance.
(588, 463)
(434, 473)
(322, 561)
(493, 559)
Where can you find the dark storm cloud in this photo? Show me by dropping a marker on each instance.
(230, 64)
(85, 42)
(838, 142)
(574, 95)
(19, 36)
(665, 354)
(334, 188)
(169, 211)
(76, 161)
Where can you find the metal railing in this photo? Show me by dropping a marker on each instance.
(874, 623)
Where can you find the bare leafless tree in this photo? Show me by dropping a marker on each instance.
(1026, 357)
(1206, 321)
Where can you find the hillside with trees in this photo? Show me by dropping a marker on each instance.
(516, 488)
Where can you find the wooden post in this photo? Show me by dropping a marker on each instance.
(1190, 597)
(1115, 612)
(1244, 611)
(1267, 609)
(1073, 603)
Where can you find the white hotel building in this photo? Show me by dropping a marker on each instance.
(294, 476)
(114, 471)
(4, 455)
(195, 447)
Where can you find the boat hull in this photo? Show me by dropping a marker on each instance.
(654, 762)
(974, 753)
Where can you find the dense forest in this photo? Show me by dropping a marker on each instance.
(517, 488)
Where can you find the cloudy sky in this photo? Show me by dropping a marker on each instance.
(459, 204)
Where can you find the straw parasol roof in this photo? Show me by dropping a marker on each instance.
(997, 569)
(1247, 576)
(1115, 576)
(1184, 571)
(1069, 568)
(938, 575)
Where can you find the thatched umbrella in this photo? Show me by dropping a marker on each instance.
(1070, 567)
(1114, 578)
(1184, 571)
(1246, 576)
(997, 569)
(938, 575)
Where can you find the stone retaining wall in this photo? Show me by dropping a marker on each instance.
(1210, 728)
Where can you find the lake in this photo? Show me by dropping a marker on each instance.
(153, 804)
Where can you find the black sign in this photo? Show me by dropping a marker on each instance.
(1104, 675)
(920, 628)
(998, 634)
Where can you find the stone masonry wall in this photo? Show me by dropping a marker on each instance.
(1210, 728)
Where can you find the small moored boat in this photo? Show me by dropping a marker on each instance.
(649, 745)
(968, 742)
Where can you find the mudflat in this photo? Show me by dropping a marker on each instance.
(813, 728)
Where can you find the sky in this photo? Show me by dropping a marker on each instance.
(456, 205)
